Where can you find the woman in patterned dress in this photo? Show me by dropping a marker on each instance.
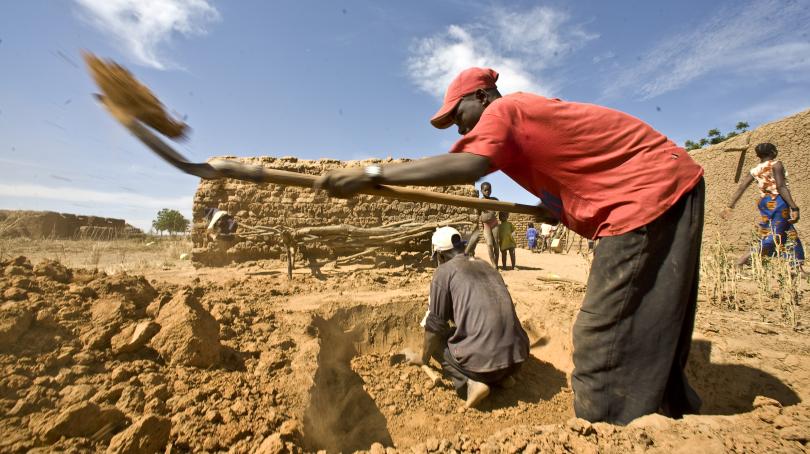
(778, 211)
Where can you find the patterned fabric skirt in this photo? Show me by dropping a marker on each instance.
(777, 235)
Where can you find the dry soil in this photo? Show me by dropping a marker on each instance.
(124, 363)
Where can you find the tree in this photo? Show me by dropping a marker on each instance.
(171, 221)
(714, 136)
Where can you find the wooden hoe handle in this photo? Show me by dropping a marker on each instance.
(223, 168)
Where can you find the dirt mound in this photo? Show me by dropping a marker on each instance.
(791, 136)
(257, 363)
(188, 334)
(149, 434)
(768, 429)
(90, 360)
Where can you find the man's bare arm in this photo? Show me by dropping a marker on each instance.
(442, 170)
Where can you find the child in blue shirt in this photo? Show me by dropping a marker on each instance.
(531, 236)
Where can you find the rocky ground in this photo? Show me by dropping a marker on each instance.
(243, 360)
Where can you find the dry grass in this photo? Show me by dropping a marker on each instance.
(779, 280)
(129, 255)
(773, 282)
(718, 275)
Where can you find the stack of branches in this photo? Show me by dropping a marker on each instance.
(9, 226)
(369, 240)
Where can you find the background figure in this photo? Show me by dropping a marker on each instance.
(546, 230)
(220, 223)
(778, 212)
(505, 238)
(488, 225)
(531, 237)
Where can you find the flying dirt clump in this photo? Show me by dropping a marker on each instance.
(188, 334)
(123, 93)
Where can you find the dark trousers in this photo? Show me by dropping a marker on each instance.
(633, 333)
(459, 376)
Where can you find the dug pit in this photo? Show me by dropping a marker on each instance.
(360, 396)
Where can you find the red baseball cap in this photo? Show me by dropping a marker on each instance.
(466, 82)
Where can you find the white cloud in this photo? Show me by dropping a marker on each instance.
(786, 57)
(771, 109)
(19, 162)
(520, 45)
(141, 26)
(69, 194)
(609, 55)
(760, 35)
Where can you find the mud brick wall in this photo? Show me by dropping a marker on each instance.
(791, 135)
(270, 204)
(521, 222)
(49, 224)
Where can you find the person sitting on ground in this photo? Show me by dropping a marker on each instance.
(488, 344)
(505, 238)
(489, 225)
(778, 212)
(531, 237)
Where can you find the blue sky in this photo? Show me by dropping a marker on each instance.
(360, 78)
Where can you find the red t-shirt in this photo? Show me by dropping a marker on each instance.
(603, 172)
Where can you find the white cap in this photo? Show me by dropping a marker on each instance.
(442, 239)
(215, 218)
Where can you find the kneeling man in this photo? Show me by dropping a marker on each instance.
(486, 345)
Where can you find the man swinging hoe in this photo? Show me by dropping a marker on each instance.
(604, 174)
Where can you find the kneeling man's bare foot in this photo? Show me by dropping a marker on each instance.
(476, 392)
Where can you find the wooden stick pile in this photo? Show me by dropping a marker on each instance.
(368, 239)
